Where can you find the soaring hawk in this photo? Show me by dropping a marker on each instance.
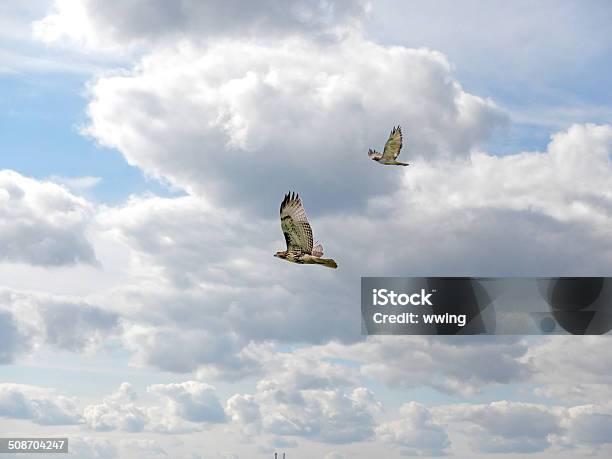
(391, 151)
(298, 235)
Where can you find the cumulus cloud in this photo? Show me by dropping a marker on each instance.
(156, 346)
(243, 408)
(35, 320)
(518, 427)
(205, 293)
(77, 326)
(225, 301)
(457, 365)
(567, 183)
(41, 223)
(588, 425)
(117, 412)
(111, 25)
(175, 408)
(330, 416)
(235, 123)
(572, 368)
(416, 432)
(550, 199)
(201, 118)
(193, 401)
(39, 405)
(86, 447)
(231, 121)
(507, 427)
(236, 120)
(12, 340)
(300, 396)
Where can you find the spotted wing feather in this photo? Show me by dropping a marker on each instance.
(295, 226)
(393, 145)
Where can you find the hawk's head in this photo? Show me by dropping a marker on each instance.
(374, 155)
(282, 254)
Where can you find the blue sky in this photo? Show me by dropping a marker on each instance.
(41, 118)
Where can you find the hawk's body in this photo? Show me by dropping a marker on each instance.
(391, 151)
(298, 235)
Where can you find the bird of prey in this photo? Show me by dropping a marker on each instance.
(391, 151)
(298, 235)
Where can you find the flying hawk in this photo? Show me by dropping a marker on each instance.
(298, 235)
(391, 151)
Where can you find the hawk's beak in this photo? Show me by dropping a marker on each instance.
(276, 255)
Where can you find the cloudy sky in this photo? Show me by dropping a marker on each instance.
(145, 147)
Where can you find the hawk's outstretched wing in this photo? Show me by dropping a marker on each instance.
(294, 224)
(393, 145)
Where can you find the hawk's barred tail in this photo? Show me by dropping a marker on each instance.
(325, 262)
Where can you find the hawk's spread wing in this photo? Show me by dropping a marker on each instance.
(393, 145)
(294, 224)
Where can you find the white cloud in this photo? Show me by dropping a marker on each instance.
(41, 223)
(588, 425)
(231, 122)
(281, 442)
(92, 448)
(235, 123)
(156, 346)
(175, 408)
(117, 412)
(572, 368)
(21, 55)
(568, 183)
(575, 36)
(224, 119)
(202, 290)
(39, 405)
(416, 432)
(145, 448)
(77, 326)
(329, 416)
(86, 447)
(457, 365)
(243, 408)
(192, 400)
(36, 320)
(505, 427)
(77, 183)
(549, 199)
(114, 25)
(301, 394)
(334, 455)
(517, 427)
(207, 295)
(12, 340)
